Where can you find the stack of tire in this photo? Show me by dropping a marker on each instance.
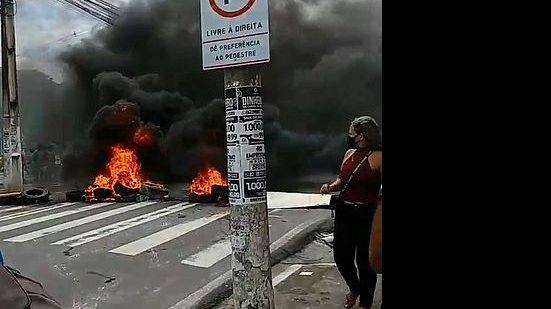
(35, 196)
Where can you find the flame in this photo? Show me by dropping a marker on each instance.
(143, 137)
(207, 177)
(123, 167)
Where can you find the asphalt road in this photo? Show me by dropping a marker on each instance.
(125, 255)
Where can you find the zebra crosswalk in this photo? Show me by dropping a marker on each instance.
(79, 224)
(165, 251)
(161, 237)
(120, 226)
(25, 223)
(74, 223)
(58, 222)
(31, 211)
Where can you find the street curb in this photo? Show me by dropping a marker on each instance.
(220, 288)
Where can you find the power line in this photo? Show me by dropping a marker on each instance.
(98, 7)
(54, 42)
(103, 5)
(75, 34)
(100, 10)
(62, 2)
(89, 10)
(62, 39)
(109, 5)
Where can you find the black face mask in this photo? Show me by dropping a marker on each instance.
(351, 141)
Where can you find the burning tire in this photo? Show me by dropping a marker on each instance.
(36, 195)
(209, 186)
(122, 179)
(221, 191)
(154, 191)
(123, 190)
(202, 198)
(103, 193)
(127, 198)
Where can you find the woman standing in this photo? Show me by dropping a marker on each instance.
(353, 220)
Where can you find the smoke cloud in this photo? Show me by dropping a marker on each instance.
(326, 69)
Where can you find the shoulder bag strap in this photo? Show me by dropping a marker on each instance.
(354, 172)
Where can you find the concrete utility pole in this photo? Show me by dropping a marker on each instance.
(250, 241)
(237, 34)
(11, 173)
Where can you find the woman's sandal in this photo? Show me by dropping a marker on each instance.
(350, 300)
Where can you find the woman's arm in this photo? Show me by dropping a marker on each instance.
(334, 186)
(337, 184)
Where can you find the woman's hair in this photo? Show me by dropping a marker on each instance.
(370, 129)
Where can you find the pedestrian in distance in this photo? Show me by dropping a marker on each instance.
(359, 182)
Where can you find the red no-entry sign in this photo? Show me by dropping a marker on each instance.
(234, 33)
(230, 14)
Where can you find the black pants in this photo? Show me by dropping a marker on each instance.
(351, 242)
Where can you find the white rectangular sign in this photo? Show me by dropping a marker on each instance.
(234, 33)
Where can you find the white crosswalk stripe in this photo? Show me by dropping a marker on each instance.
(286, 273)
(21, 224)
(210, 256)
(161, 237)
(216, 252)
(74, 223)
(11, 209)
(116, 227)
(34, 211)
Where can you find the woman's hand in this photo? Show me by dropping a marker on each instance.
(325, 189)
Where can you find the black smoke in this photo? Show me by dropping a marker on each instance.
(326, 69)
(113, 125)
(156, 104)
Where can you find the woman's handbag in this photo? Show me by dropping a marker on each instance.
(336, 201)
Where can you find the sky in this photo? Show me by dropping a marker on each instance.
(44, 28)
